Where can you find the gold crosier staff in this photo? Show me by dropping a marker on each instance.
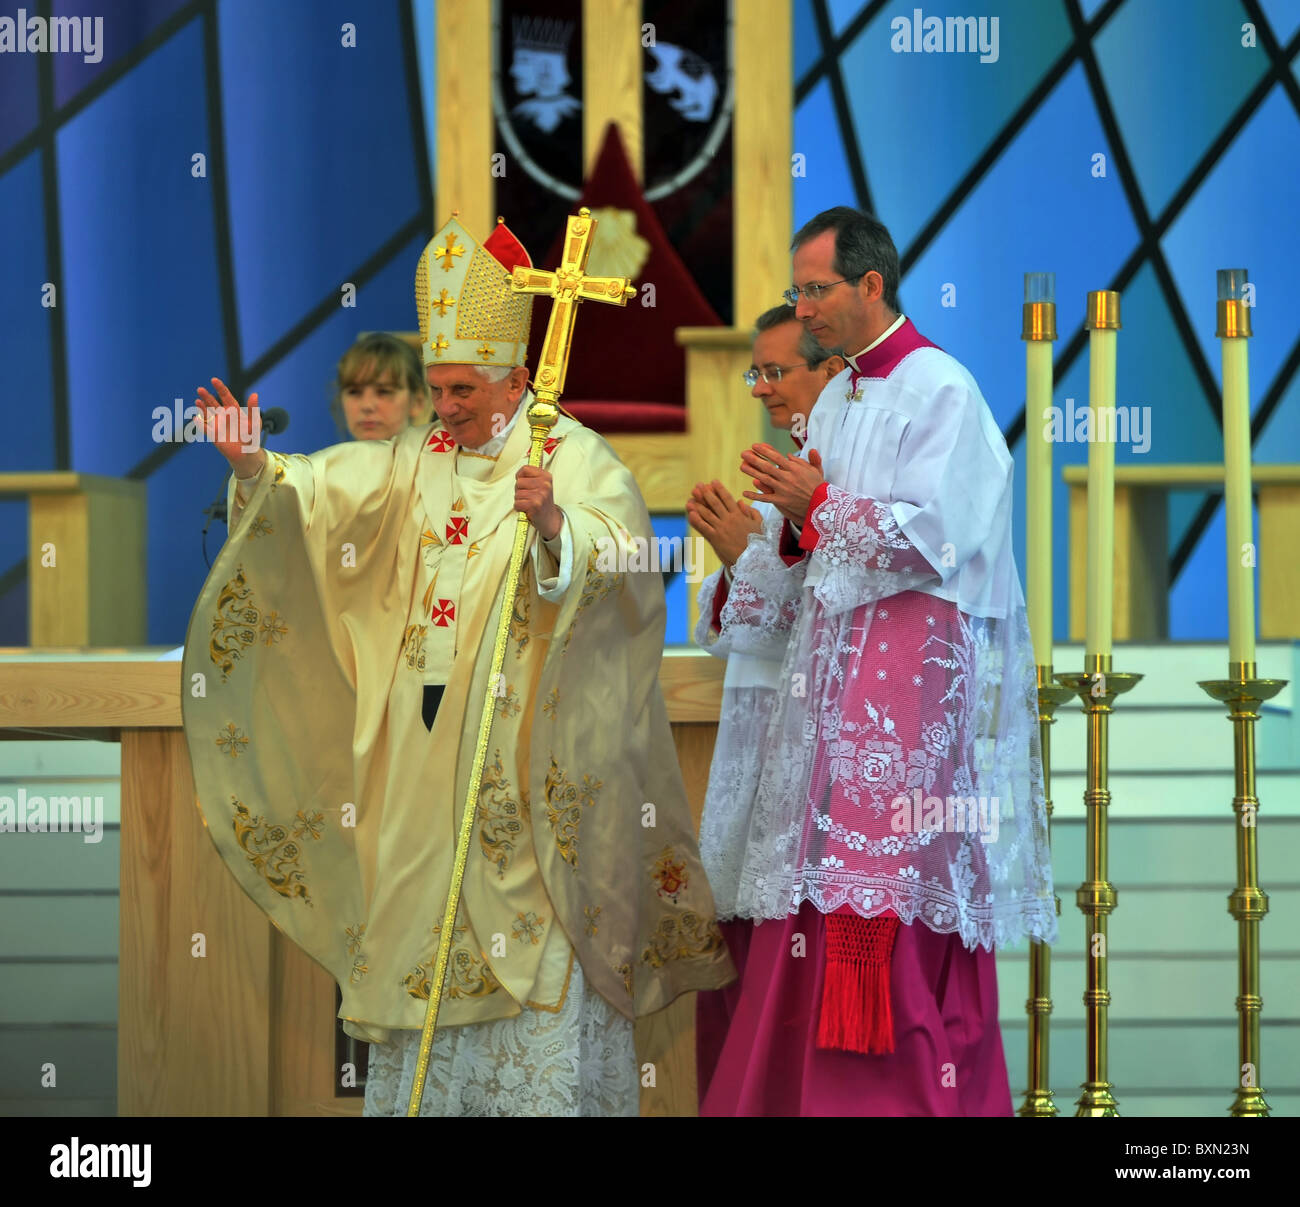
(568, 285)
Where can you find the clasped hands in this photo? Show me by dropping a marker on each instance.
(787, 482)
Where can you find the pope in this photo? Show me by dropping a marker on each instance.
(340, 652)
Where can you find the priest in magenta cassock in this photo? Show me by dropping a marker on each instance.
(897, 831)
(344, 638)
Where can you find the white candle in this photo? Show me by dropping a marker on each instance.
(1233, 332)
(1103, 335)
(1038, 332)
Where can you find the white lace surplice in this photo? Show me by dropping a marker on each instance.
(577, 1062)
(754, 626)
(920, 509)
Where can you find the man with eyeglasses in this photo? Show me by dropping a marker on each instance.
(790, 370)
(746, 612)
(897, 829)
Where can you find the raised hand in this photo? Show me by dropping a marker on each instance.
(236, 432)
(721, 520)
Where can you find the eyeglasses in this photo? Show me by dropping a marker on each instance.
(814, 292)
(771, 376)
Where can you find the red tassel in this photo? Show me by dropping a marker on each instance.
(855, 1013)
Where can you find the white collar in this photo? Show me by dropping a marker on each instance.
(880, 339)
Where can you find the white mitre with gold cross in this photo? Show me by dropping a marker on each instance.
(469, 315)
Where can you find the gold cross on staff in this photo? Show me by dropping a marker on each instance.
(568, 285)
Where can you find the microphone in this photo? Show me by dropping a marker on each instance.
(274, 420)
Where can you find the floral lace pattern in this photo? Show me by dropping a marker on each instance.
(762, 599)
(578, 1062)
(862, 553)
(904, 774)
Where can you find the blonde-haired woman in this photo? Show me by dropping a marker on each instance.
(379, 388)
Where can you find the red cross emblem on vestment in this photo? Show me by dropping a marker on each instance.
(444, 612)
(551, 444)
(441, 442)
(457, 529)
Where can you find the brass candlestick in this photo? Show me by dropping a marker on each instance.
(1243, 693)
(1097, 688)
(1038, 1102)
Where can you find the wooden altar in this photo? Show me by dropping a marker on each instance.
(248, 1027)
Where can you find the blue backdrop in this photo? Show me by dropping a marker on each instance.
(315, 170)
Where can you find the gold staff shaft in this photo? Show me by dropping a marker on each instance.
(568, 285)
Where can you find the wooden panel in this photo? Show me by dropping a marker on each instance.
(659, 461)
(103, 696)
(694, 745)
(1186, 477)
(117, 567)
(58, 596)
(193, 1033)
(1141, 543)
(64, 481)
(722, 419)
(463, 171)
(763, 33)
(1141, 565)
(692, 687)
(611, 78)
(95, 593)
(1141, 586)
(100, 694)
(666, 1041)
(1279, 569)
(302, 1036)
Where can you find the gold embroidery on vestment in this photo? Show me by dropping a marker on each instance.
(595, 587)
(669, 874)
(422, 295)
(519, 622)
(231, 741)
(681, 938)
(273, 628)
(448, 252)
(499, 826)
(468, 976)
(528, 928)
(272, 851)
(564, 992)
(413, 645)
(234, 627)
(508, 704)
(355, 936)
(551, 703)
(260, 527)
(591, 913)
(564, 804)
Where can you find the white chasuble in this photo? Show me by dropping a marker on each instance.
(357, 578)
